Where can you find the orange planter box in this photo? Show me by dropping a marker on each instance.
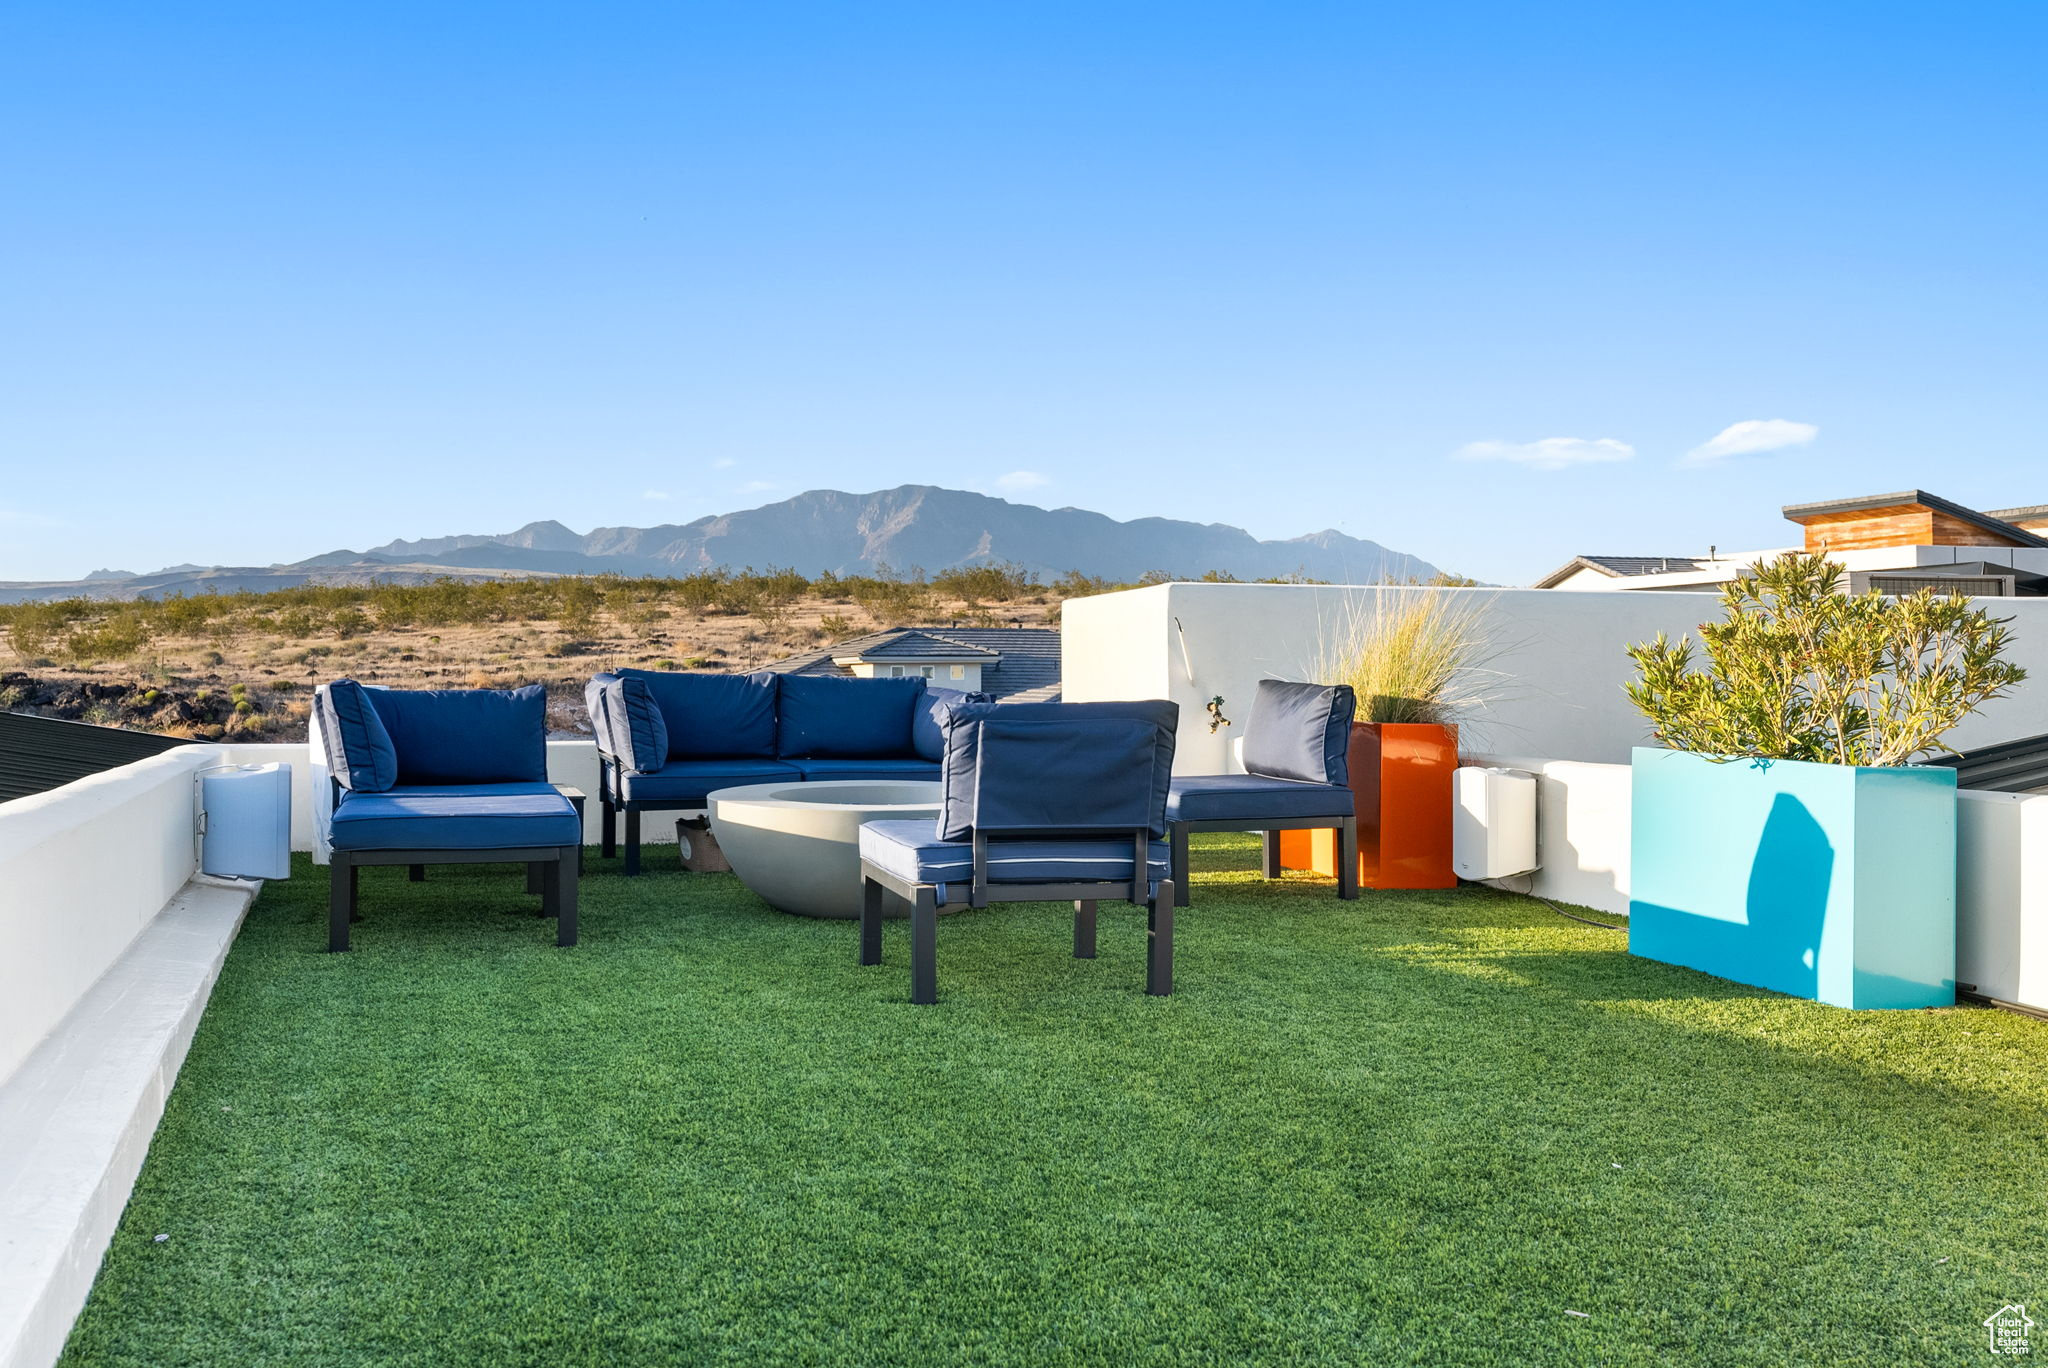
(1401, 785)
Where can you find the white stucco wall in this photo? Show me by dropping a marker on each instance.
(1561, 659)
(1582, 829)
(2002, 896)
(83, 869)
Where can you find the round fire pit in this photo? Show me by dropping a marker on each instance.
(798, 845)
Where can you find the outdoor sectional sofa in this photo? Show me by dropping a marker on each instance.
(667, 739)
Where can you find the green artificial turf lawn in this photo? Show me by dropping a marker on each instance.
(1417, 1128)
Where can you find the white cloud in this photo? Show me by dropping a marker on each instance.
(1749, 437)
(656, 494)
(1549, 453)
(1021, 481)
(756, 487)
(724, 463)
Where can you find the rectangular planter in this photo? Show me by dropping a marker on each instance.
(1401, 786)
(1831, 882)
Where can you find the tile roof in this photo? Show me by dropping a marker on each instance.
(1622, 566)
(1028, 671)
(41, 753)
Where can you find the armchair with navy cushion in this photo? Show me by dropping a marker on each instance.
(666, 740)
(1298, 779)
(444, 776)
(1040, 802)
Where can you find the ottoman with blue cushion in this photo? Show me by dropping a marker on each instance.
(1296, 754)
(444, 776)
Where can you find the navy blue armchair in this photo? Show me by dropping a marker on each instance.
(1041, 802)
(444, 776)
(1296, 754)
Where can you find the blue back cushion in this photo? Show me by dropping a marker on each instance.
(628, 723)
(467, 736)
(831, 715)
(1300, 731)
(927, 735)
(1057, 766)
(713, 715)
(360, 754)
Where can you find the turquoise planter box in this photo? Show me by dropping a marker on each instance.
(1830, 882)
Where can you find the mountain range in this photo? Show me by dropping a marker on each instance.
(909, 527)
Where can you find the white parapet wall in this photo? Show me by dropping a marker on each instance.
(83, 869)
(2002, 896)
(1561, 659)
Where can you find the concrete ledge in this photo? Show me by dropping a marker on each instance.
(77, 1117)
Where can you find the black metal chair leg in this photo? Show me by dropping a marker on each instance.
(542, 877)
(632, 842)
(1347, 859)
(870, 922)
(565, 882)
(341, 900)
(1084, 928)
(537, 881)
(1269, 854)
(608, 832)
(1177, 834)
(416, 873)
(924, 947)
(1159, 941)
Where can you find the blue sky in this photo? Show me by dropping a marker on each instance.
(1470, 280)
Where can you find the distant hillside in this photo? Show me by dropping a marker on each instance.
(913, 526)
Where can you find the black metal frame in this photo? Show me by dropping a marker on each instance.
(1269, 864)
(557, 886)
(611, 804)
(923, 898)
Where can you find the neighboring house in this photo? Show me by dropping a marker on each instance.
(1016, 664)
(38, 754)
(1897, 543)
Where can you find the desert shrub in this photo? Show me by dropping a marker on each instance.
(115, 638)
(212, 658)
(998, 583)
(836, 626)
(1074, 584)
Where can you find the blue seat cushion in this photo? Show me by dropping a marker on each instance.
(687, 781)
(927, 732)
(467, 736)
(1252, 798)
(1301, 731)
(832, 716)
(882, 767)
(455, 817)
(713, 715)
(911, 850)
(360, 754)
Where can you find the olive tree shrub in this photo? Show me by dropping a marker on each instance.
(1799, 670)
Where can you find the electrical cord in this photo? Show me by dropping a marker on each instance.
(1530, 893)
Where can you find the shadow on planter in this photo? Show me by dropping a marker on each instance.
(1830, 882)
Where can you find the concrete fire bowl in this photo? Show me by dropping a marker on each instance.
(798, 845)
